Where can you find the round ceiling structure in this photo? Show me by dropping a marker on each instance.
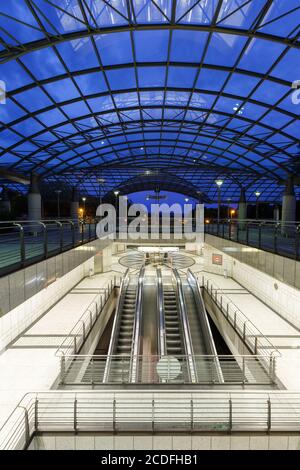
(192, 90)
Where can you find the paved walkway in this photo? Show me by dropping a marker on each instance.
(280, 333)
(30, 363)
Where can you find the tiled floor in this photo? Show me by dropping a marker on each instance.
(30, 363)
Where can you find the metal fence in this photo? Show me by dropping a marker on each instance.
(25, 242)
(169, 411)
(236, 370)
(252, 337)
(276, 237)
(77, 336)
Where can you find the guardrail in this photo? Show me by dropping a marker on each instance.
(25, 242)
(236, 370)
(117, 319)
(137, 327)
(169, 411)
(281, 238)
(77, 336)
(252, 337)
(186, 333)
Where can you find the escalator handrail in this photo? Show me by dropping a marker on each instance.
(116, 324)
(205, 326)
(162, 346)
(189, 352)
(136, 338)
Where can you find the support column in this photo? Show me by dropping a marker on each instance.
(242, 209)
(288, 207)
(5, 206)
(34, 199)
(74, 204)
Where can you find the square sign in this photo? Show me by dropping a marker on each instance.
(217, 259)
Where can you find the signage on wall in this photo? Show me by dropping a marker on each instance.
(217, 259)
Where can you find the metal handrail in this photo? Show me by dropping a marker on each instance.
(136, 338)
(205, 326)
(185, 326)
(211, 286)
(156, 411)
(162, 346)
(239, 370)
(70, 343)
(116, 323)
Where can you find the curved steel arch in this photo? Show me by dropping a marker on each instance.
(138, 159)
(167, 182)
(105, 68)
(171, 24)
(15, 52)
(39, 111)
(205, 110)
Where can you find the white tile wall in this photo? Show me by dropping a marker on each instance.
(285, 300)
(165, 442)
(17, 320)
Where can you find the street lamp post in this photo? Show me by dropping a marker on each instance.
(219, 184)
(58, 192)
(83, 200)
(116, 193)
(257, 194)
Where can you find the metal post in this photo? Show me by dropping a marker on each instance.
(62, 369)
(75, 415)
(275, 237)
(93, 370)
(247, 233)
(82, 233)
(230, 415)
(75, 345)
(244, 332)
(45, 240)
(243, 369)
(36, 417)
(22, 245)
(90, 232)
(153, 414)
(255, 345)
(73, 233)
(269, 415)
(297, 242)
(259, 235)
(114, 414)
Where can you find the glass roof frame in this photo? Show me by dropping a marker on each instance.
(47, 157)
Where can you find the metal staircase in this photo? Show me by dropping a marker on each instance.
(124, 341)
(174, 344)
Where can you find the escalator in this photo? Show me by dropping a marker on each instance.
(206, 361)
(174, 344)
(173, 332)
(124, 348)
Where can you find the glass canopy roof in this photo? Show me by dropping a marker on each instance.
(174, 93)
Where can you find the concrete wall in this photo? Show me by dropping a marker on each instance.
(283, 269)
(278, 295)
(26, 294)
(21, 317)
(166, 442)
(18, 287)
